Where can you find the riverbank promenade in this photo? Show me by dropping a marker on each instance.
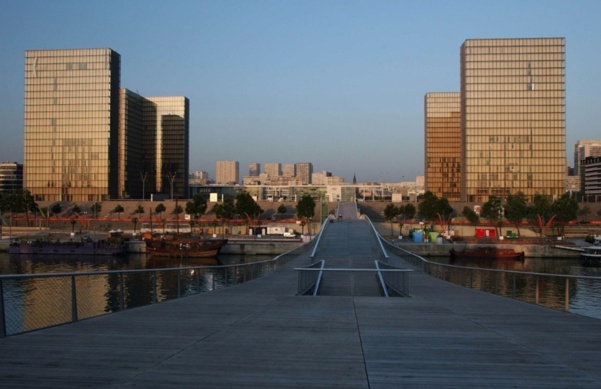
(260, 334)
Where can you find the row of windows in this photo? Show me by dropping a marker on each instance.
(517, 108)
(518, 66)
(476, 118)
(502, 142)
(535, 59)
(517, 98)
(514, 44)
(92, 90)
(85, 127)
(503, 73)
(530, 95)
(524, 85)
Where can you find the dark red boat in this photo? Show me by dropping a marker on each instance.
(487, 252)
(185, 248)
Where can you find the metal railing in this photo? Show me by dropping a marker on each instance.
(318, 238)
(309, 278)
(578, 294)
(31, 302)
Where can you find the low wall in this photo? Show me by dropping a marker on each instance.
(530, 251)
(260, 246)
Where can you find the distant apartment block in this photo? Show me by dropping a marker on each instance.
(512, 118)
(591, 178)
(273, 170)
(254, 169)
(442, 148)
(289, 170)
(227, 172)
(584, 149)
(11, 177)
(304, 171)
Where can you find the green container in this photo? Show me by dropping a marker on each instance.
(433, 235)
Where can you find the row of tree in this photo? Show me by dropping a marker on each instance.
(541, 212)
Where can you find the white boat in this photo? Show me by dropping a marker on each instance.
(591, 256)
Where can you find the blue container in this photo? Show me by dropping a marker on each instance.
(418, 236)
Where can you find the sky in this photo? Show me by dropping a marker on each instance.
(340, 84)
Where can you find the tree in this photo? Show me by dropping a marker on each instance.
(408, 211)
(493, 211)
(390, 212)
(96, 208)
(160, 209)
(197, 206)
(470, 215)
(282, 209)
(139, 210)
(305, 209)
(246, 206)
(432, 208)
(56, 209)
(135, 221)
(229, 210)
(118, 210)
(76, 209)
(565, 209)
(516, 209)
(584, 212)
(540, 211)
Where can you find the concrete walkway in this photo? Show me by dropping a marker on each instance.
(261, 335)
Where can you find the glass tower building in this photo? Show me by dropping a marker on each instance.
(71, 122)
(512, 118)
(442, 149)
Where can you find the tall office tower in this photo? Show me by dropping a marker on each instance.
(167, 143)
(133, 175)
(442, 150)
(304, 171)
(227, 172)
(289, 170)
(512, 117)
(71, 124)
(254, 169)
(584, 149)
(273, 170)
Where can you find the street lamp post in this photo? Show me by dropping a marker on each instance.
(143, 175)
(171, 176)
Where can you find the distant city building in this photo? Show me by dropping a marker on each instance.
(512, 118)
(289, 170)
(199, 177)
(442, 148)
(591, 178)
(254, 169)
(584, 149)
(227, 172)
(320, 178)
(304, 171)
(273, 170)
(11, 176)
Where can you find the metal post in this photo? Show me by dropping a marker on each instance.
(536, 293)
(567, 298)
(154, 287)
(73, 300)
(121, 293)
(2, 318)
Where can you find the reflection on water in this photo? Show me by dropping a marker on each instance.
(36, 264)
(40, 302)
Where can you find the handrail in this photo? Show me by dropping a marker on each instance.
(321, 230)
(464, 276)
(382, 283)
(318, 281)
(187, 283)
(378, 238)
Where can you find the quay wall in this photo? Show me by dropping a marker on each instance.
(530, 251)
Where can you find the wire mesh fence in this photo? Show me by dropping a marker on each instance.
(571, 293)
(32, 302)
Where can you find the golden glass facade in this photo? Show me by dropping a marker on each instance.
(512, 117)
(71, 114)
(442, 150)
(133, 173)
(167, 143)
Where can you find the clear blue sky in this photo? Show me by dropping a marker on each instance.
(336, 83)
